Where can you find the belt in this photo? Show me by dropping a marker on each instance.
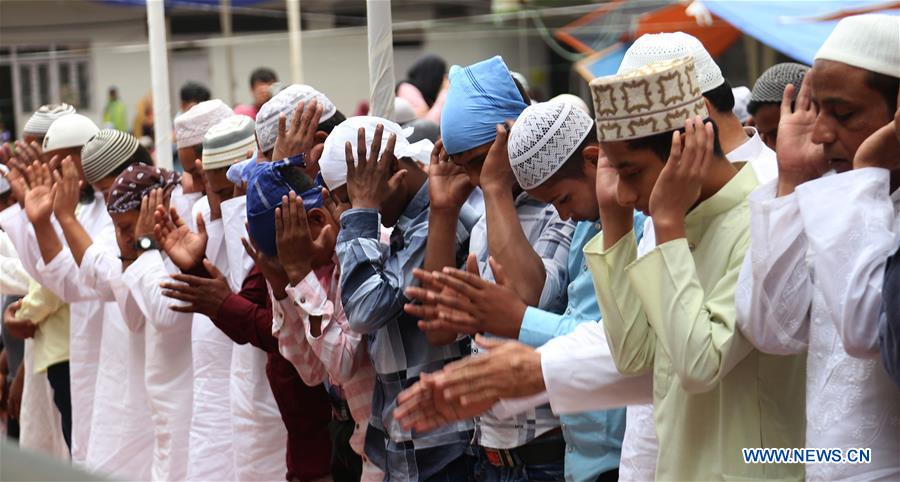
(546, 449)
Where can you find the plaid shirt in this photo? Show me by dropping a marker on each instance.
(550, 237)
(337, 353)
(372, 283)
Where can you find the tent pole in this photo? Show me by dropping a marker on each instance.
(381, 58)
(293, 13)
(159, 76)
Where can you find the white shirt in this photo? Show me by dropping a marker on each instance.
(813, 272)
(210, 453)
(103, 356)
(260, 437)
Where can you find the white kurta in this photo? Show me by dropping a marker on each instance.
(91, 315)
(169, 370)
(40, 426)
(210, 455)
(786, 305)
(260, 437)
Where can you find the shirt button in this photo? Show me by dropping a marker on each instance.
(302, 299)
(569, 449)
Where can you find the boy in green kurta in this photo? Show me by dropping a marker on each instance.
(672, 310)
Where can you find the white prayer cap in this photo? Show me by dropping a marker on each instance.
(333, 163)
(870, 42)
(72, 130)
(228, 142)
(191, 126)
(658, 47)
(285, 102)
(403, 111)
(574, 100)
(653, 99)
(741, 100)
(544, 136)
(40, 121)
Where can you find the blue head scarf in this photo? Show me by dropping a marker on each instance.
(264, 191)
(481, 96)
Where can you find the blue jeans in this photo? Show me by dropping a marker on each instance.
(460, 470)
(485, 471)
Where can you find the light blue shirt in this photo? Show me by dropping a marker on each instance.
(593, 439)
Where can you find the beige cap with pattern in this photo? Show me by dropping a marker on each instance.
(652, 99)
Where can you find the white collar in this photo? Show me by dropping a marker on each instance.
(750, 149)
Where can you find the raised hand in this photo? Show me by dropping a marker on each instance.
(300, 137)
(468, 304)
(29, 152)
(201, 295)
(68, 190)
(147, 218)
(39, 196)
(448, 183)
(184, 247)
(799, 158)
(294, 241)
(370, 182)
(496, 172)
(882, 148)
(271, 270)
(677, 188)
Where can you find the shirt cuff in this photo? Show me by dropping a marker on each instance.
(538, 326)
(280, 310)
(10, 214)
(359, 223)
(310, 299)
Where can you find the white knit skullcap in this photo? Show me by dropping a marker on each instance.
(403, 111)
(40, 121)
(658, 47)
(191, 126)
(72, 130)
(544, 136)
(333, 163)
(870, 42)
(285, 102)
(106, 151)
(228, 142)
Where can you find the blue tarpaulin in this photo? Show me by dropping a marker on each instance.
(789, 27)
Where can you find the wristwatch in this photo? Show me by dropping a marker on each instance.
(145, 243)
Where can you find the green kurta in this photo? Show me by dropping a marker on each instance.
(673, 311)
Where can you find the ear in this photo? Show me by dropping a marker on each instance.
(320, 136)
(709, 107)
(316, 217)
(591, 154)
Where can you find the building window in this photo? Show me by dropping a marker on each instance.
(51, 75)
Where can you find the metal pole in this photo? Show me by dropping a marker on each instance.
(294, 38)
(159, 76)
(225, 22)
(381, 58)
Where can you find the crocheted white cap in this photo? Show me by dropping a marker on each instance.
(544, 136)
(40, 121)
(228, 142)
(658, 47)
(286, 102)
(653, 99)
(191, 126)
(870, 42)
(71, 130)
(333, 163)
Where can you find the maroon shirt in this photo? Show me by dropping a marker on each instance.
(246, 317)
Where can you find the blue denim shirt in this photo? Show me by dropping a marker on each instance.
(593, 439)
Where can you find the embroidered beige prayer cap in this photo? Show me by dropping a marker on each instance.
(652, 99)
